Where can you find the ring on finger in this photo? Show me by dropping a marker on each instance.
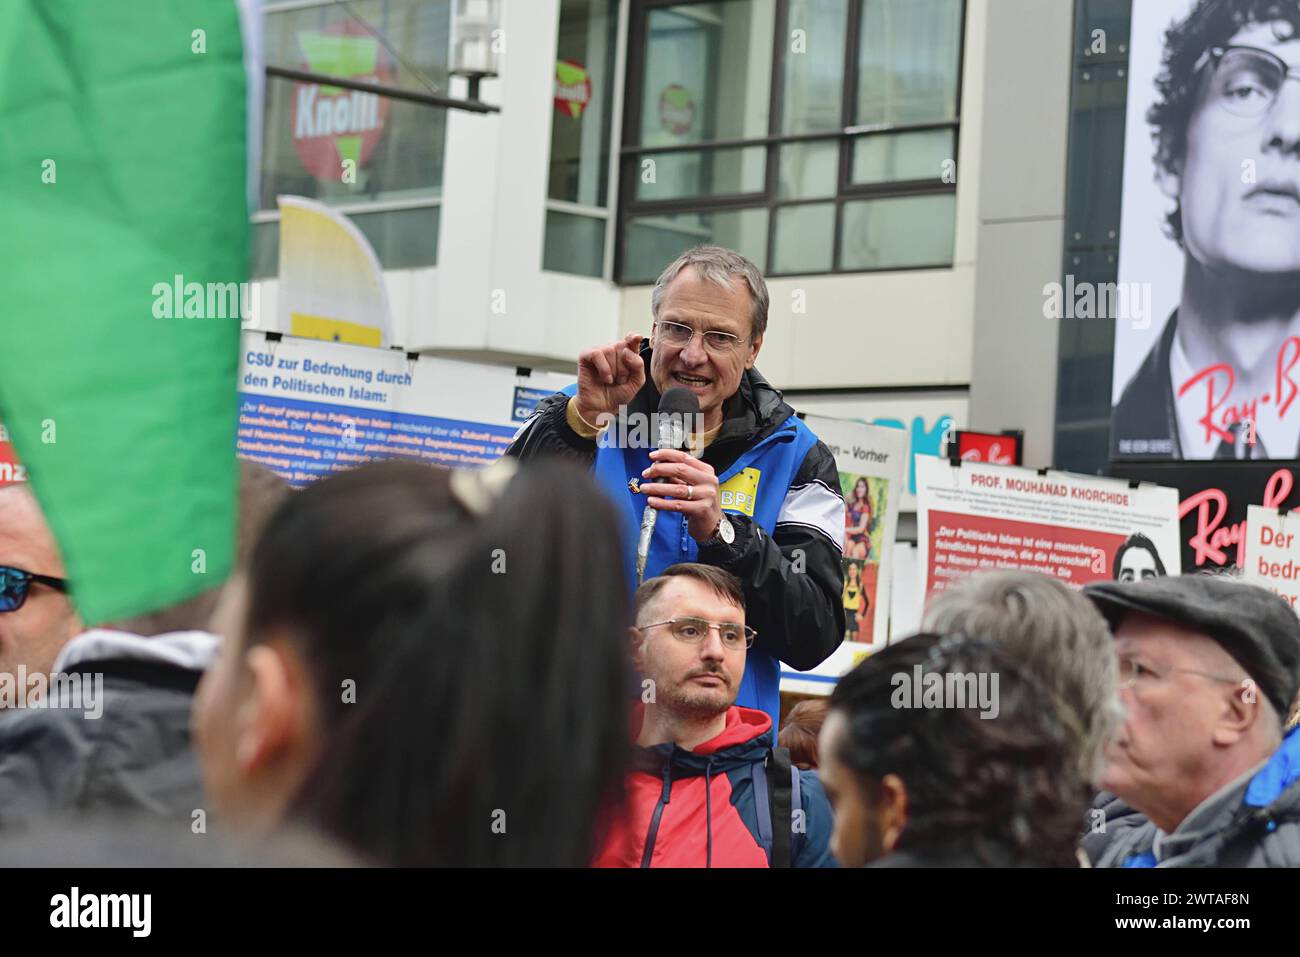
(690, 492)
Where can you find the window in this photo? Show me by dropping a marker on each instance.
(815, 136)
(578, 182)
(378, 160)
(1098, 102)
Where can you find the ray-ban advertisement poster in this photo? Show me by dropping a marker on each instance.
(1209, 367)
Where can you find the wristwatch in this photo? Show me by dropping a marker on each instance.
(724, 534)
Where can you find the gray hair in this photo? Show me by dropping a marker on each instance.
(1056, 634)
(718, 264)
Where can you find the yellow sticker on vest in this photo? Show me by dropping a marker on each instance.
(740, 492)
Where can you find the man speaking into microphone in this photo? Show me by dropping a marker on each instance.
(760, 498)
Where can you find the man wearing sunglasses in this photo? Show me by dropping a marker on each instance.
(707, 788)
(133, 754)
(759, 498)
(1208, 668)
(36, 617)
(1222, 381)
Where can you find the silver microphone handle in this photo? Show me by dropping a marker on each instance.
(643, 543)
(671, 435)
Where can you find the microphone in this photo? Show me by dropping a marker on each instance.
(677, 409)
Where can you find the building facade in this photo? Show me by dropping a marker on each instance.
(896, 167)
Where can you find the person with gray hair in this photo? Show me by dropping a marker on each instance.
(760, 495)
(1209, 668)
(1053, 631)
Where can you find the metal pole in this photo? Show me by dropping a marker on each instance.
(392, 92)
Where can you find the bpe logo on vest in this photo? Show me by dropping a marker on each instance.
(740, 492)
(330, 124)
(738, 500)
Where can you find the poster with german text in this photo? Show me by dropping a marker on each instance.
(974, 517)
(308, 408)
(872, 465)
(1272, 553)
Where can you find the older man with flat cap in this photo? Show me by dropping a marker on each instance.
(1209, 667)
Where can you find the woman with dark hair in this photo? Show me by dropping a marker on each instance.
(859, 519)
(427, 666)
(942, 752)
(854, 598)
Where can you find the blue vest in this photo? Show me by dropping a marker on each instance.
(754, 485)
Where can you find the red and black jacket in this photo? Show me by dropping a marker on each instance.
(712, 807)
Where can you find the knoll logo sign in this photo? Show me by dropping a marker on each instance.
(332, 125)
(572, 88)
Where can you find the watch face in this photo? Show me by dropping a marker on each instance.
(725, 531)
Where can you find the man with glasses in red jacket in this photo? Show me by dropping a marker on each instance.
(707, 789)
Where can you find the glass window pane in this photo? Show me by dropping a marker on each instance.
(805, 238)
(813, 85)
(311, 131)
(723, 172)
(402, 239)
(898, 231)
(809, 170)
(907, 61)
(584, 87)
(265, 251)
(655, 241)
(574, 244)
(708, 72)
(902, 156)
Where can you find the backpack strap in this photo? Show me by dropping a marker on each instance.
(782, 785)
(758, 775)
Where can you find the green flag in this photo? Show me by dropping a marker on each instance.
(123, 183)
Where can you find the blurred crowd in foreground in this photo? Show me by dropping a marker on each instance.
(413, 666)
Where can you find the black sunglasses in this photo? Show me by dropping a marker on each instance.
(15, 583)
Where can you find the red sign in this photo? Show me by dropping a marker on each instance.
(572, 88)
(1003, 449)
(962, 544)
(11, 470)
(332, 125)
